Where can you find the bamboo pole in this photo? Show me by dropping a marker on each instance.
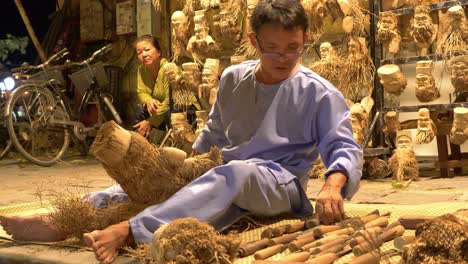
(33, 36)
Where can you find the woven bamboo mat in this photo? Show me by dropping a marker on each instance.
(351, 209)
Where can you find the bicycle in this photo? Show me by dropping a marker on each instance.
(39, 114)
(5, 143)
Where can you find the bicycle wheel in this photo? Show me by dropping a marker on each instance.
(33, 116)
(5, 142)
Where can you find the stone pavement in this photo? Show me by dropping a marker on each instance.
(21, 182)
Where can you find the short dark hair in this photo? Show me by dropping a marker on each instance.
(287, 13)
(150, 38)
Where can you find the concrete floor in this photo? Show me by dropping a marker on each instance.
(22, 182)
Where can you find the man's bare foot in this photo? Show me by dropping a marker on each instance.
(31, 228)
(106, 243)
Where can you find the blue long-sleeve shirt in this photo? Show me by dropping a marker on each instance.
(289, 123)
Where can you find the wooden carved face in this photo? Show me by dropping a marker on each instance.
(387, 26)
(404, 142)
(459, 75)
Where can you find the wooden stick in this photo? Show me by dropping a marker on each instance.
(322, 241)
(297, 244)
(381, 222)
(294, 227)
(301, 256)
(368, 258)
(400, 242)
(275, 262)
(284, 239)
(267, 233)
(322, 248)
(319, 231)
(33, 36)
(363, 235)
(390, 226)
(386, 236)
(327, 258)
(343, 231)
(311, 223)
(269, 251)
(412, 222)
(279, 230)
(247, 249)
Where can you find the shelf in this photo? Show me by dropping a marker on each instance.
(414, 59)
(431, 107)
(437, 6)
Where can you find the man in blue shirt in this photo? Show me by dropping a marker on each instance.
(272, 117)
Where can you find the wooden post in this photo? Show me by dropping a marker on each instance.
(27, 23)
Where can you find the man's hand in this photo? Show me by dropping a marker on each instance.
(143, 128)
(152, 105)
(329, 203)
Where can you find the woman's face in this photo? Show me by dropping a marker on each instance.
(147, 54)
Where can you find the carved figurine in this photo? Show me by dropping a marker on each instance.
(403, 163)
(426, 90)
(208, 90)
(354, 21)
(423, 30)
(330, 64)
(391, 128)
(333, 9)
(359, 117)
(392, 79)
(459, 74)
(181, 95)
(201, 118)
(316, 12)
(357, 79)
(182, 135)
(192, 76)
(180, 34)
(230, 23)
(459, 132)
(388, 33)
(201, 45)
(455, 37)
(427, 130)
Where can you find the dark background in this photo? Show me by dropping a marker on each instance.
(11, 22)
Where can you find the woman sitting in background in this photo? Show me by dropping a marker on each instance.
(153, 90)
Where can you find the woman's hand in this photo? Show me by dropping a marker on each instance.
(329, 203)
(152, 105)
(143, 128)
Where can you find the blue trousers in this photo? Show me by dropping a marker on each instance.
(220, 197)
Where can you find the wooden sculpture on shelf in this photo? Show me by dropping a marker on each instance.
(357, 79)
(459, 74)
(392, 126)
(455, 37)
(182, 136)
(191, 6)
(459, 131)
(388, 33)
(246, 48)
(427, 130)
(192, 76)
(333, 9)
(330, 64)
(394, 83)
(236, 59)
(423, 30)
(403, 163)
(201, 119)
(316, 12)
(181, 95)
(180, 35)
(359, 117)
(230, 23)
(208, 90)
(201, 45)
(354, 21)
(426, 90)
(377, 168)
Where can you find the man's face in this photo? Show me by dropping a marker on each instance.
(394, 84)
(354, 47)
(200, 32)
(424, 81)
(171, 73)
(459, 70)
(387, 23)
(178, 123)
(424, 122)
(325, 51)
(422, 20)
(404, 142)
(279, 49)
